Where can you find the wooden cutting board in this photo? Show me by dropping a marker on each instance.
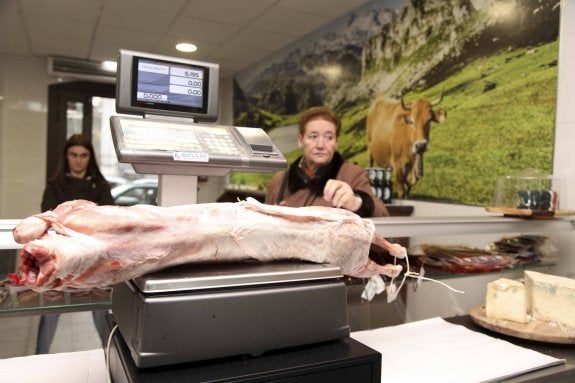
(534, 330)
(528, 213)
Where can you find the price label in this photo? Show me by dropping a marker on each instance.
(191, 156)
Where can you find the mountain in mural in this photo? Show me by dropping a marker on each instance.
(377, 49)
(311, 70)
(429, 40)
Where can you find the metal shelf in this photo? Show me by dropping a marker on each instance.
(21, 302)
(428, 226)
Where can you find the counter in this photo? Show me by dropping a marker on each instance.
(562, 373)
(93, 365)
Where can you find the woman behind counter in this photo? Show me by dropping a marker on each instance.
(321, 177)
(77, 177)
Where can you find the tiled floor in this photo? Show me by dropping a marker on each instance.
(76, 332)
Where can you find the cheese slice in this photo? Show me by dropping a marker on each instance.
(551, 298)
(506, 299)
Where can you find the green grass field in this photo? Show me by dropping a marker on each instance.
(494, 133)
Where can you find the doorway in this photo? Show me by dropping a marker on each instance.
(85, 107)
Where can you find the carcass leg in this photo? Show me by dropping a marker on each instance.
(395, 249)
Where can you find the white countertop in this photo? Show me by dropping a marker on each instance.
(77, 367)
(431, 350)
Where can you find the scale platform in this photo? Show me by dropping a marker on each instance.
(205, 311)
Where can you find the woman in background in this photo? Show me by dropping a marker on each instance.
(77, 177)
(321, 177)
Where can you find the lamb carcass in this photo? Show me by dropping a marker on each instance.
(82, 245)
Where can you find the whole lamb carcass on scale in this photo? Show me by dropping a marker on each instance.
(82, 245)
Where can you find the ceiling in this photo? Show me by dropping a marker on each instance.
(233, 33)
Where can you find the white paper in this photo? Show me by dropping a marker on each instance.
(77, 367)
(434, 350)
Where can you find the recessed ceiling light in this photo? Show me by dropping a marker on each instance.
(186, 47)
(110, 66)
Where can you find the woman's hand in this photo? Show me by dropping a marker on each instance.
(341, 195)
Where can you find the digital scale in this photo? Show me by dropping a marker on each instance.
(207, 313)
(200, 312)
(172, 99)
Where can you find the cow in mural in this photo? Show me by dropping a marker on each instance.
(398, 135)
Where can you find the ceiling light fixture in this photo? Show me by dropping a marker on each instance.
(186, 47)
(110, 66)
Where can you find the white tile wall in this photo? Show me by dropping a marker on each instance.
(567, 17)
(23, 115)
(564, 154)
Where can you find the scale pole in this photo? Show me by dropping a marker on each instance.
(176, 190)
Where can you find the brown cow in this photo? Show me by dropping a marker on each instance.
(397, 137)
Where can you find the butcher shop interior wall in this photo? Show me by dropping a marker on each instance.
(479, 78)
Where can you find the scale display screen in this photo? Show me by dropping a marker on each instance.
(160, 83)
(155, 85)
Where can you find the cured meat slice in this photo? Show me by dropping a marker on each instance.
(82, 245)
(462, 259)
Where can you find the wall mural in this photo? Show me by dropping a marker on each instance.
(465, 87)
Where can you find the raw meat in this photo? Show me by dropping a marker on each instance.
(95, 246)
